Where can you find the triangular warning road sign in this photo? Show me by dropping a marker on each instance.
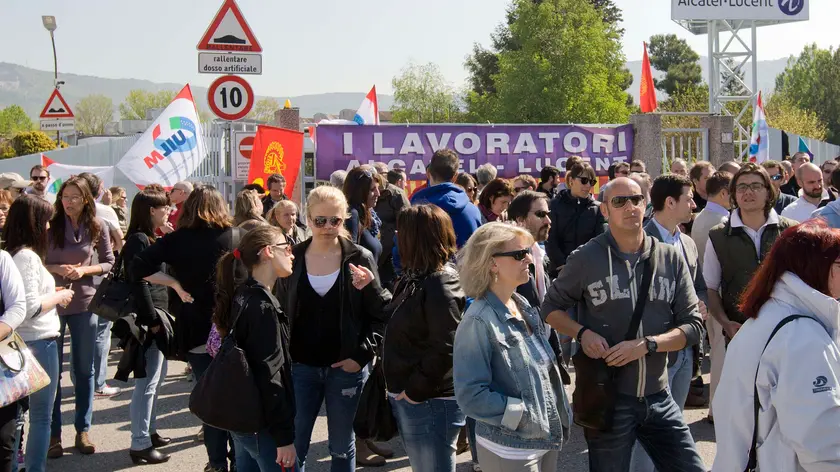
(56, 107)
(229, 32)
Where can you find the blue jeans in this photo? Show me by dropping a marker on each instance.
(679, 383)
(82, 346)
(257, 453)
(341, 391)
(144, 399)
(215, 440)
(41, 406)
(657, 423)
(429, 432)
(103, 347)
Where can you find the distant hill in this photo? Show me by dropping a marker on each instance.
(30, 88)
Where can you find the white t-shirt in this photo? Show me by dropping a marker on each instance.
(37, 282)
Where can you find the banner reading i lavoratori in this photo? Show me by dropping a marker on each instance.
(513, 149)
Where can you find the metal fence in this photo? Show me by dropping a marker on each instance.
(690, 144)
(215, 169)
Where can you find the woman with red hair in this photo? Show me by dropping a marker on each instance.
(780, 386)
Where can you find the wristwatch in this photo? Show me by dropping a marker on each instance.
(579, 336)
(651, 345)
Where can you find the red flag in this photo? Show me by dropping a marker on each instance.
(647, 93)
(276, 151)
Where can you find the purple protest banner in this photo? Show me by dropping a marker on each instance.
(513, 149)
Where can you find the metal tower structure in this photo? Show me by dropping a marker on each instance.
(732, 39)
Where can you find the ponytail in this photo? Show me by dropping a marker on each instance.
(230, 273)
(225, 288)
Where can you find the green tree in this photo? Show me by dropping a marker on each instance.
(14, 120)
(483, 64)
(568, 67)
(674, 57)
(812, 82)
(93, 113)
(264, 109)
(421, 95)
(32, 142)
(138, 101)
(784, 114)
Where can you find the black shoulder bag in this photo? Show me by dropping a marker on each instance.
(216, 403)
(595, 390)
(114, 296)
(752, 463)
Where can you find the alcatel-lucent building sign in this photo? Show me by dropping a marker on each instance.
(767, 10)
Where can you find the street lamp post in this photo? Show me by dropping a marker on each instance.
(50, 25)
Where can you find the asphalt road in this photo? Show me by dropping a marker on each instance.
(112, 436)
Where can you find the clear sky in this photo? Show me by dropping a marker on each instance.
(317, 46)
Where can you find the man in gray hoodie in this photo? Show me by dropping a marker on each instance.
(602, 278)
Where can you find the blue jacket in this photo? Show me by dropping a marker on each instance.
(516, 400)
(466, 218)
(830, 213)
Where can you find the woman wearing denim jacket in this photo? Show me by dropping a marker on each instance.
(506, 374)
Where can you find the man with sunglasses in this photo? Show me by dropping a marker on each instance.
(40, 177)
(777, 178)
(530, 211)
(603, 280)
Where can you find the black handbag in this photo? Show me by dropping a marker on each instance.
(114, 296)
(227, 396)
(593, 401)
(374, 418)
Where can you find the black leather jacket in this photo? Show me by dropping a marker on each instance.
(574, 221)
(417, 355)
(362, 311)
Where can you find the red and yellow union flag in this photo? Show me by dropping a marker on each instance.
(276, 151)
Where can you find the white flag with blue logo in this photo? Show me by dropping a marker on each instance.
(171, 149)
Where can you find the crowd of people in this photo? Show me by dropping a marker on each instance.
(473, 297)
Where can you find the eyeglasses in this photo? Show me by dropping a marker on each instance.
(39, 178)
(73, 199)
(519, 255)
(755, 187)
(541, 214)
(287, 247)
(776, 177)
(620, 202)
(586, 180)
(321, 221)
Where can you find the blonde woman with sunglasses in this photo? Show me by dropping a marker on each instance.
(334, 301)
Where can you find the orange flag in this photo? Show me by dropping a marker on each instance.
(276, 151)
(647, 93)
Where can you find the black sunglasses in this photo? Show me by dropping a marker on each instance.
(321, 221)
(619, 202)
(516, 255)
(587, 180)
(38, 178)
(776, 177)
(541, 213)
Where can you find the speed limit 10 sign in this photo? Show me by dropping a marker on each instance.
(230, 97)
